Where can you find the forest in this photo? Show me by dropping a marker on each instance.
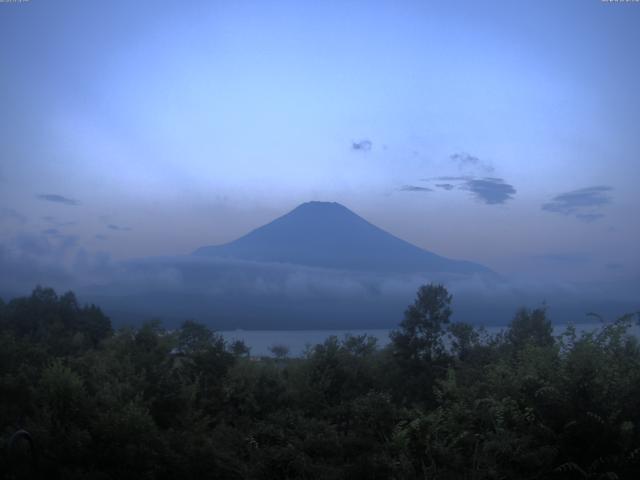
(444, 400)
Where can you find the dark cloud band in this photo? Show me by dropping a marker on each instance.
(118, 228)
(55, 198)
(490, 190)
(415, 188)
(584, 204)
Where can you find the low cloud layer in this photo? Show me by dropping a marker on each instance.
(55, 198)
(231, 293)
(50, 259)
(10, 215)
(584, 204)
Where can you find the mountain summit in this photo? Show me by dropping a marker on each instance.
(329, 235)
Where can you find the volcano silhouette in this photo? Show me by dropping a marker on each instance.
(329, 235)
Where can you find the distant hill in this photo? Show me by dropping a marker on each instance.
(329, 235)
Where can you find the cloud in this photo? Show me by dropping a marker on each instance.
(277, 293)
(100, 236)
(118, 228)
(52, 197)
(584, 203)
(362, 145)
(448, 178)
(50, 231)
(249, 294)
(466, 161)
(50, 259)
(490, 190)
(415, 188)
(9, 214)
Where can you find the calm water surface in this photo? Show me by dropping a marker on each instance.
(298, 340)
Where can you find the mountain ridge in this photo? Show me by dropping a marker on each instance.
(329, 235)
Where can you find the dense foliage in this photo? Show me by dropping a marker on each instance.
(442, 401)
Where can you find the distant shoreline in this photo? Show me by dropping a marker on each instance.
(259, 341)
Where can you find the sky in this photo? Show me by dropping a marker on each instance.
(506, 133)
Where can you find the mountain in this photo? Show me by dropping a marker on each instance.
(329, 235)
(321, 266)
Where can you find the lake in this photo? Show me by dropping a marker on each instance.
(259, 341)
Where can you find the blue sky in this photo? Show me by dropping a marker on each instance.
(501, 132)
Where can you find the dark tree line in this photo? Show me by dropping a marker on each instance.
(442, 401)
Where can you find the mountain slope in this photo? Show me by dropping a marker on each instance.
(329, 235)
